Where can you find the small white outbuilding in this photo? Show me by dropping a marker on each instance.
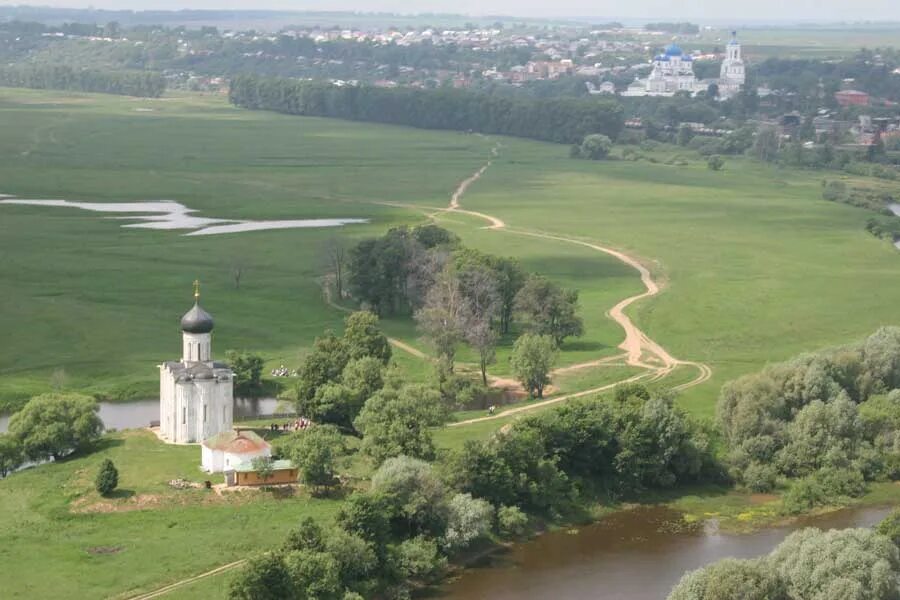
(227, 450)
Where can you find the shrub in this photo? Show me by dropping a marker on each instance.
(107, 478)
(53, 425)
(469, 519)
(715, 163)
(731, 579)
(890, 527)
(760, 477)
(805, 494)
(511, 522)
(848, 564)
(264, 577)
(595, 147)
(835, 191)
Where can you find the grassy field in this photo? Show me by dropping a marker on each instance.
(756, 268)
(81, 294)
(813, 42)
(64, 541)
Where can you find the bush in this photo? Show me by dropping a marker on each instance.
(841, 482)
(760, 477)
(595, 147)
(848, 564)
(264, 577)
(715, 163)
(107, 478)
(10, 454)
(418, 558)
(835, 191)
(469, 519)
(890, 527)
(511, 522)
(53, 425)
(805, 494)
(416, 494)
(731, 579)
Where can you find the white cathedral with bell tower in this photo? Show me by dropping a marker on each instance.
(733, 74)
(196, 394)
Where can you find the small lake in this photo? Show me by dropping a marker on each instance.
(134, 415)
(631, 555)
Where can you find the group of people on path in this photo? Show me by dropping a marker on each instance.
(297, 425)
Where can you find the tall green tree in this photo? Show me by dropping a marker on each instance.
(531, 361)
(247, 368)
(315, 451)
(363, 338)
(398, 422)
(53, 425)
(549, 309)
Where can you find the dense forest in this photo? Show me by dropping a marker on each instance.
(561, 120)
(47, 77)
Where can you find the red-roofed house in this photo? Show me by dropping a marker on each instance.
(852, 98)
(227, 450)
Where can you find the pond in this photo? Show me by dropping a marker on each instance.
(133, 415)
(631, 555)
(167, 214)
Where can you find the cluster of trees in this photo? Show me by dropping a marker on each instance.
(594, 147)
(341, 373)
(247, 368)
(58, 77)
(416, 515)
(561, 120)
(50, 426)
(830, 420)
(385, 541)
(623, 445)
(849, 564)
(456, 294)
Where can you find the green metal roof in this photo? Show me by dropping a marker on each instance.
(277, 465)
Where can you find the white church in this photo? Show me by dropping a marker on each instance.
(673, 72)
(196, 393)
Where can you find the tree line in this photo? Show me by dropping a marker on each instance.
(825, 422)
(456, 294)
(423, 508)
(561, 120)
(58, 77)
(849, 564)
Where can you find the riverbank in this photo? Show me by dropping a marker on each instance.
(146, 535)
(634, 554)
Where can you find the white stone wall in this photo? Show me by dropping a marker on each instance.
(194, 410)
(196, 347)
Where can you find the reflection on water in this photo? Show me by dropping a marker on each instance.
(632, 555)
(167, 214)
(132, 415)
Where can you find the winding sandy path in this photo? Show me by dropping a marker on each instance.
(640, 350)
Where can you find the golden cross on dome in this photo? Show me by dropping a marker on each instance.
(196, 290)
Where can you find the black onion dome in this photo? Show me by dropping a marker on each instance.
(197, 320)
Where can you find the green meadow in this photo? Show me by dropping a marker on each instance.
(755, 268)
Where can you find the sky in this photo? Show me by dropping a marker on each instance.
(706, 10)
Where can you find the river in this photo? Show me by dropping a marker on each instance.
(631, 555)
(133, 415)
